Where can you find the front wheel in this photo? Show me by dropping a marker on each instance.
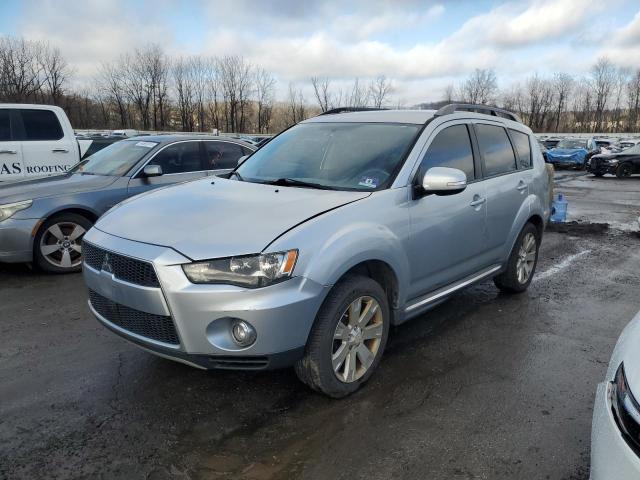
(624, 170)
(522, 262)
(58, 244)
(348, 337)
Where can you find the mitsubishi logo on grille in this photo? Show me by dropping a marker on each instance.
(106, 264)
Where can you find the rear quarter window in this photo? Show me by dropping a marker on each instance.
(523, 148)
(5, 125)
(41, 125)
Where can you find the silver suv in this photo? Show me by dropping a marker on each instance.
(338, 228)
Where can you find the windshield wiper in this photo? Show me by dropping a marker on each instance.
(238, 175)
(292, 182)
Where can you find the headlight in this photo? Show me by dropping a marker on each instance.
(626, 409)
(10, 209)
(613, 161)
(250, 271)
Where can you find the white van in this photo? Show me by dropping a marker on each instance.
(35, 140)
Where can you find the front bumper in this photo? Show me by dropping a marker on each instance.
(282, 314)
(16, 240)
(611, 457)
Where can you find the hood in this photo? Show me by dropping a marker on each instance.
(567, 151)
(51, 186)
(220, 218)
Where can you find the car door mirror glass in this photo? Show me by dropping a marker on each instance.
(152, 171)
(444, 181)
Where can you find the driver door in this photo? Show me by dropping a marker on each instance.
(448, 233)
(180, 162)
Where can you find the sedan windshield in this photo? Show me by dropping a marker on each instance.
(572, 143)
(116, 159)
(635, 150)
(340, 156)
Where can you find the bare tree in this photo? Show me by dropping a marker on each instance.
(449, 93)
(540, 99)
(563, 84)
(21, 73)
(295, 105)
(265, 86)
(358, 95)
(322, 93)
(236, 83)
(480, 88)
(633, 101)
(379, 90)
(603, 75)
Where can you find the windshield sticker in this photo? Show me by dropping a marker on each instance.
(146, 144)
(370, 182)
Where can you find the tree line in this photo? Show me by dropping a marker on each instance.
(146, 89)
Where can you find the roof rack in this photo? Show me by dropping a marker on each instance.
(470, 107)
(351, 109)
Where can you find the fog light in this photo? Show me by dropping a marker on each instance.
(243, 333)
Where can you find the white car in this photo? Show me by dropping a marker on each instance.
(615, 435)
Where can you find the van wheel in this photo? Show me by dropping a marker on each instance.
(347, 339)
(58, 244)
(522, 262)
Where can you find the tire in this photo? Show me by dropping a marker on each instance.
(624, 170)
(328, 341)
(511, 281)
(57, 246)
(598, 174)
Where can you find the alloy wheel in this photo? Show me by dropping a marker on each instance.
(357, 339)
(61, 244)
(526, 258)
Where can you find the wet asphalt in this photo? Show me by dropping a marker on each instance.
(485, 386)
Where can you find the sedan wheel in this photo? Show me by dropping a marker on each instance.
(61, 244)
(357, 339)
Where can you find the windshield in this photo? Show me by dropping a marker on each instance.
(635, 150)
(116, 159)
(341, 156)
(572, 143)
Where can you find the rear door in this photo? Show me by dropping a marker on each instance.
(11, 162)
(45, 148)
(180, 162)
(506, 184)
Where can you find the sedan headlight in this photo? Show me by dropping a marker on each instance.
(626, 409)
(10, 209)
(250, 271)
(613, 161)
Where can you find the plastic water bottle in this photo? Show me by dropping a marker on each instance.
(559, 209)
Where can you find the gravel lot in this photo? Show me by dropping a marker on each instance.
(484, 386)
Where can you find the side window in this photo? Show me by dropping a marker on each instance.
(179, 158)
(523, 147)
(496, 149)
(5, 125)
(451, 148)
(220, 155)
(41, 125)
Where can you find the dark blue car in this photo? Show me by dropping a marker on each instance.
(572, 152)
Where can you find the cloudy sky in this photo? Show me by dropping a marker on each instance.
(422, 45)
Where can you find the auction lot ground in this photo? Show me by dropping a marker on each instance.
(485, 386)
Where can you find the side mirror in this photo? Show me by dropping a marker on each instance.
(242, 159)
(443, 181)
(152, 170)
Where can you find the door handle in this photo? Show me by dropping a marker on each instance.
(477, 202)
(60, 150)
(12, 152)
(521, 186)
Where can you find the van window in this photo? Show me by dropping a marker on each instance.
(451, 148)
(523, 147)
(496, 149)
(41, 125)
(5, 125)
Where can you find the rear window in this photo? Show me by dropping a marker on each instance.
(5, 125)
(41, 125)
(496, 149)
(523, 147)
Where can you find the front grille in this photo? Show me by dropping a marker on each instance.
(124, 268)
(149, 325)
